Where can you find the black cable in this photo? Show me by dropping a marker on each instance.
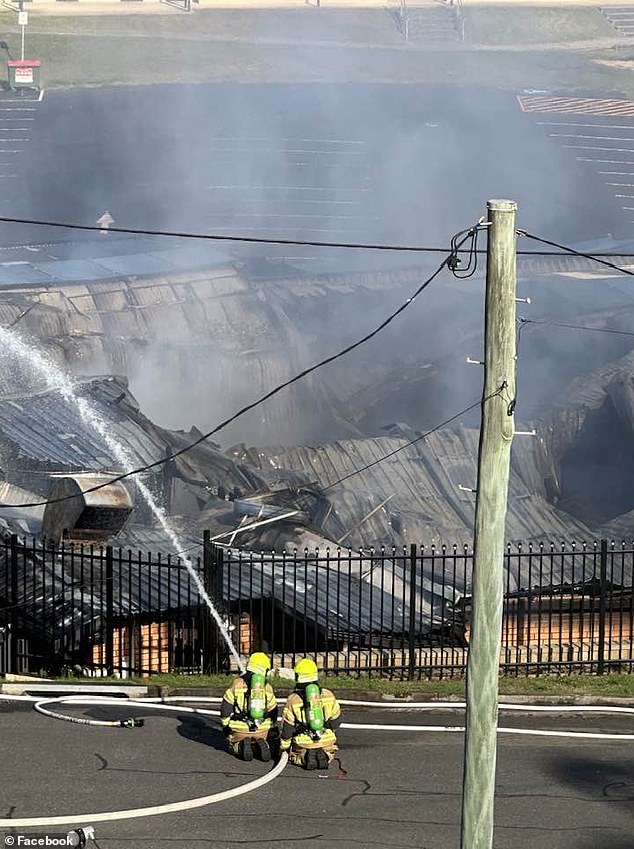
(472, 262)
(138, 231)
(260, 400)
(132, 231)
(524, 321)
(593, 257)
(414, 441)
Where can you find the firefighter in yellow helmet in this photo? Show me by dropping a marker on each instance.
(249, 712)
(311, 716)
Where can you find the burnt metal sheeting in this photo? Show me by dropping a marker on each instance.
(64, 596)
(45, 428)
(104, 259)
(335, 599)
(73, 269)
(16, 273)
(423, 480)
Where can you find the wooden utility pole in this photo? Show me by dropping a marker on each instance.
(494, 456)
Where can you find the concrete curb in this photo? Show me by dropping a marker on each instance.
(135, 691)
(382, 698)
(33, 688)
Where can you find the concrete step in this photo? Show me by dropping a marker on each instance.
(621, 18)
(439, 23)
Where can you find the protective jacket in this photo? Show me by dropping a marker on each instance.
(234, 710)
(295, 726)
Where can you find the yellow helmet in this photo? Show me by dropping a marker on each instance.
(306, 671)
(259, 663)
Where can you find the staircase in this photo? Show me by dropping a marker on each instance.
(620, 17)
(435, 21)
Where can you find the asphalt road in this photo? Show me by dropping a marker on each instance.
(401, 790)
(404, 163)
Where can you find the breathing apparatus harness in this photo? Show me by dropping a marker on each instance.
(255, 704)
(314, 711)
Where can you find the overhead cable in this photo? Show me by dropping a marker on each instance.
(248, 407)
(414, 441)
(260, 240)
(524, 321)
(214, 237)
(567, 250)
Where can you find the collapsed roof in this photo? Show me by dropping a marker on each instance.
(229, 331)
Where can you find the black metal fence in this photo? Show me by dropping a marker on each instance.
(398, 613)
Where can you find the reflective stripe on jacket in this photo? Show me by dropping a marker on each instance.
(235, 704)
(295, 724)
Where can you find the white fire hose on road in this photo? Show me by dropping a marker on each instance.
(43, 706)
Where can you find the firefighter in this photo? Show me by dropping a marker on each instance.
(249, 712)
(311, 717)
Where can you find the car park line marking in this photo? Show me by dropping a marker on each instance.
(604, 161)
(594, 147)
(576, 105)
(596, 138)
(287, 188)
(585, 126)
(298, 201)
(305, 230)
(286, 139)
(291, 215)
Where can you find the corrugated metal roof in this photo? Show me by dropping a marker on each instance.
(45, 428)
(423, 480)
(62, 597)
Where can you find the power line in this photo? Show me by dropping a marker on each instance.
(594, 257)
(248, 407)
(524, 321)
(257, 240)
(212, 237)
(412, 441)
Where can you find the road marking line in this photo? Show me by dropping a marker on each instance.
(578, 105)
(604, 161)
(622, 185)
(41, 97)
(594, 147)
(588, 126)
(286, 139)
(291, 215)
(254, 150)
(247, 187)
(595, 138)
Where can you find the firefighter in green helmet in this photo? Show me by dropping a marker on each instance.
(249, 712)
(311, 716)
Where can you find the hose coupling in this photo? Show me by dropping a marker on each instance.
(132, 722)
